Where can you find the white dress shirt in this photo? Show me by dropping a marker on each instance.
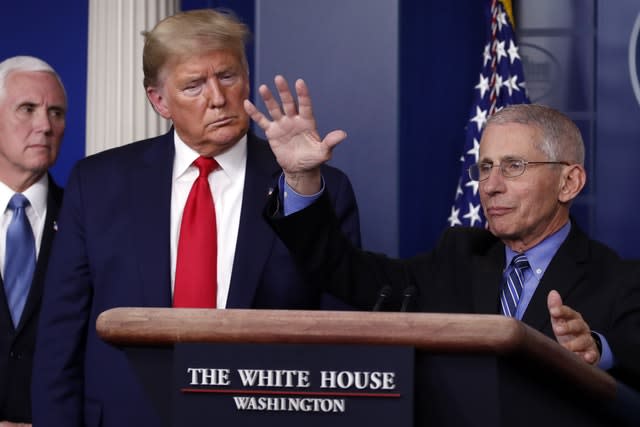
(36, 212)
(227, 185)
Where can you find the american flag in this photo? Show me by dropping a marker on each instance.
(501, 83)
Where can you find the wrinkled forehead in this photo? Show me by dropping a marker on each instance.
(22, 84)
(211, 61)
(508, 141)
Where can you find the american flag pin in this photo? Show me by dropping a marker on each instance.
(270, 191)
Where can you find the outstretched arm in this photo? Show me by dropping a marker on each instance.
(571, 330)
(293, 135)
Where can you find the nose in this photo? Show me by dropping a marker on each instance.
(42, 120)
(215, 94)
(494, 183)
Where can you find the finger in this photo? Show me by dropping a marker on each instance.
(255, 115)
(335, 137)
(304, 99)
(554, 302)
(288, 103)
(574, 325)
(270, 102)
(591, 356)
(580, 343)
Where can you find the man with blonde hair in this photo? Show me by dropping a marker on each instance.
(169, 221)
(33, 106)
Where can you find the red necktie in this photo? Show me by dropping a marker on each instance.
(196, 266)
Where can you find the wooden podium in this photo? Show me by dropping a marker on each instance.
(470, 370)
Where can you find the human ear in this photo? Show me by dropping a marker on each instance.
(157, 100)
(572, 181)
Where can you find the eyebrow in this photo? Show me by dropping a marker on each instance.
(501, 159)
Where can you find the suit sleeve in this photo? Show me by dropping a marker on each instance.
(329, 257)
(346, 209)
(57, 387)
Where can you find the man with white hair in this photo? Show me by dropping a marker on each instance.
(33, 104)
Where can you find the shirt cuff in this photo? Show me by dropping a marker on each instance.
(292, 201)
(606, 357)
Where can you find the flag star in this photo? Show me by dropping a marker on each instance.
(474, 214)
(454, 217)
(513, 51)
(475, 151)
(512, 84)
(497, 84)
(480, 118)
(483, 85)
(502, 20)
(500, 51)
(474, 185)
(486, 54)
(523, 85)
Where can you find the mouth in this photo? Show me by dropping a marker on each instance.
(39, 146)
(224, 121)
(497, 211)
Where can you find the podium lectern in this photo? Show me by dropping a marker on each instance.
(470, 370)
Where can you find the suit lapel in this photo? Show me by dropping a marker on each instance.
(486, 276)
(563, 274)
(150, 203)
(255, 238)
(54, 200)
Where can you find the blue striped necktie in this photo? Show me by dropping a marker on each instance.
(512, 286)
(20, 258)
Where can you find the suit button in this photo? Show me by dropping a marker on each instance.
(15, 355)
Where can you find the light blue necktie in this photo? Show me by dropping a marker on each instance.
(512, 286)
(20, 257)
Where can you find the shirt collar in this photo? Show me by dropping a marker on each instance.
(540, 256)
(36, 194)
(232, 162)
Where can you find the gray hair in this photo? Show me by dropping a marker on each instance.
(25, 63)
(561, 138)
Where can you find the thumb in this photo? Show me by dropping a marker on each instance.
(335, 137)
(554, 302)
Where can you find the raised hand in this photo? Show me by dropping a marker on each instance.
(570, 329)
(293, 135)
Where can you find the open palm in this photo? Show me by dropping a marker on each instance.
(292, 131)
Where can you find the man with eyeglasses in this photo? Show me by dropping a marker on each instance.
(532, 263)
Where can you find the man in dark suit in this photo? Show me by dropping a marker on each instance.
(33, 104)
(122, 224)
(529, 170)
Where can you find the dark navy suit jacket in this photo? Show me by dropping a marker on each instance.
(112, 250)
(462, 274)
(17, 343)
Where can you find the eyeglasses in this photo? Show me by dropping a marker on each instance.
(510, 168)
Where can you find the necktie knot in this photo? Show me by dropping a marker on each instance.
(520, 262)
(18, 201)
(205, 165)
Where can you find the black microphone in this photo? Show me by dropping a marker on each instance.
(407, 298)
(384, 293)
